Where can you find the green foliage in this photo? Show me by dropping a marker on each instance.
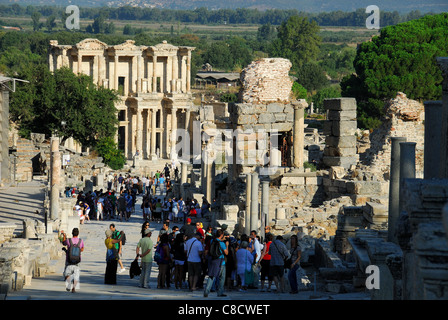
(298, 41)
(112, 156)
(14, 60)
(325, 93)
(228, 55)
(337, 60)
(228, 97)
(312, 76)
(309, 165)
(298, 91)
(51, 22)
(50, 98)
(35, 16)
(402, 58)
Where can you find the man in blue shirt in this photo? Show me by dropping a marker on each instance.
(217, 266)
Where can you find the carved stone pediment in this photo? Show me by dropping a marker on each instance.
(128, 45)
(164, 47)
(91, 44)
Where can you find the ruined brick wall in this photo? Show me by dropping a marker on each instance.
(266, 80)
(404, 118)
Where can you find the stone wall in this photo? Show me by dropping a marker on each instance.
(256, 127)
(22, 259)
(266, 80)
(403, 118)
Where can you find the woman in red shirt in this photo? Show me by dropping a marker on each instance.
(265, 261)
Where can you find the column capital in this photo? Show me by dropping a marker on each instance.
(299, 104)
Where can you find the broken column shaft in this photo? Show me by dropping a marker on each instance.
(394, 186)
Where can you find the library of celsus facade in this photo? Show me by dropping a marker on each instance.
(153, 83)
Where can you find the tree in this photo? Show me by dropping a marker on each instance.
(98, 25)
(297, 40)
(312, 76)
(112, 156)
(51, 22)
(325, 93)
(298, 91)
(35, 16)
(402, 58)
(50, 98)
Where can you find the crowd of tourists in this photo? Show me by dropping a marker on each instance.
(192, 257)
(188, 255)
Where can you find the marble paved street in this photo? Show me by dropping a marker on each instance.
(93, 265)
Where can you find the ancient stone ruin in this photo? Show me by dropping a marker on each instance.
(374, 199)
(266, 80)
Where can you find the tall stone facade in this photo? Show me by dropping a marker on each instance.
(154, 84)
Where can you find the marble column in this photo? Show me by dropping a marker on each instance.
(139, 131)
(55, 178)
(173, 139)
(96, 68)
(139, 73)
(175, 74)
(183, 177)
(116, 72)
(153, 133)
(254, 202)
(264, 205)
(208, 169)
(433, 137)
(169, 74)
(79, 63)
(443, 168)
(186, 143)
(298, 133)
(407, 167)
(248, 203)
(188, 75)
(394, 187)
(154, 74)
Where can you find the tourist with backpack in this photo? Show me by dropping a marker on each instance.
(117, 235)
(219, 248)
(110, 276)
(75, 246)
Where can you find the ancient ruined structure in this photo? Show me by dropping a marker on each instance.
(266, 80)
(154, 83)
(403, 118)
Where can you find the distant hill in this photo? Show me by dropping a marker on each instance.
(402, 6)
